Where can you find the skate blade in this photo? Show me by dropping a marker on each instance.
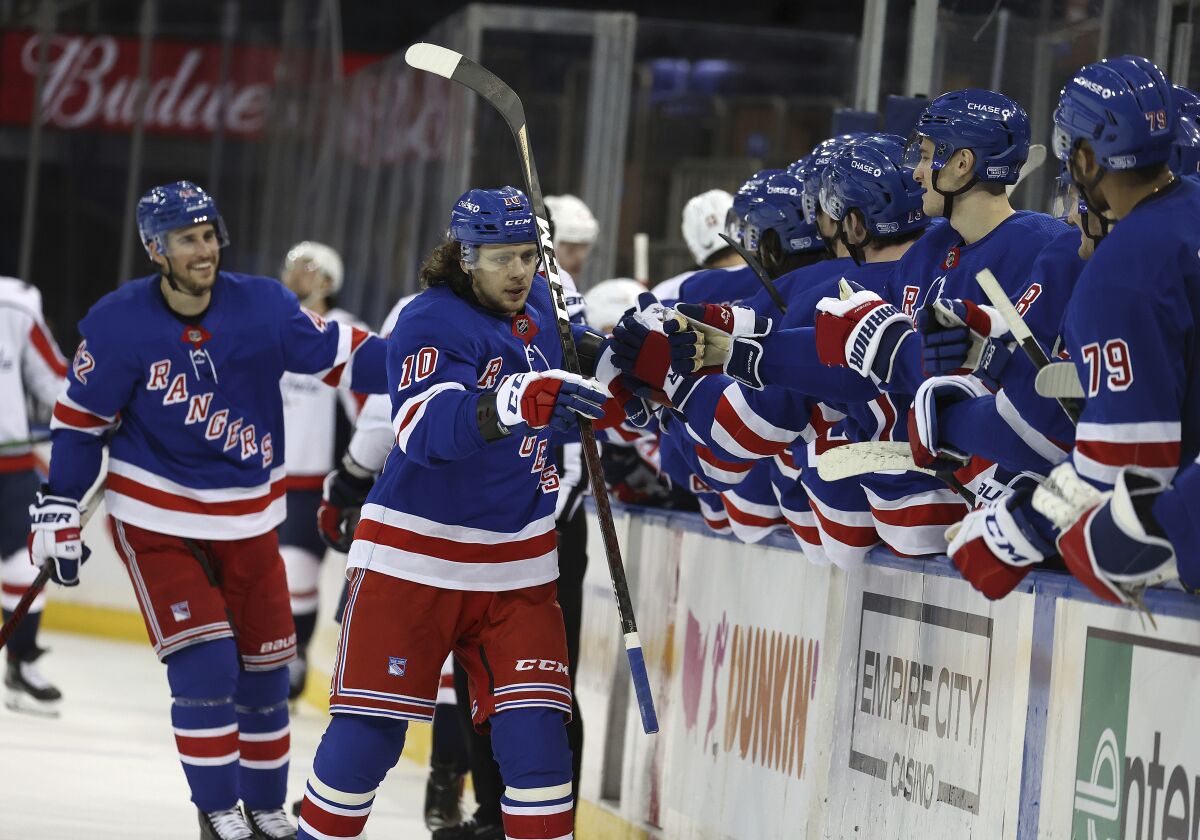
(19, 701)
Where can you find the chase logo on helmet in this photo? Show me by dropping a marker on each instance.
(1004, 113)
(1094, 87)
(466, 205)
(866, 167)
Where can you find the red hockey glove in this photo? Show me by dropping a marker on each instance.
(995, 546)
(342, 498)
(860, 331)
(548, 398)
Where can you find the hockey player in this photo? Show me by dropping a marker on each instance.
(1130, 327)
(312, 416)
(575, 231)
(702, 222)
(459, 531)
(30, 363)
(178, 372)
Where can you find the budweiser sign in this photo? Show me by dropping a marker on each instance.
(92, 83)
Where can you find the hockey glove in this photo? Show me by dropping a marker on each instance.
(861, 331)
(721, 338)
(960, 337)
(54, 537)
(996, 545)
(548, 398)
(342, 498)
(934, 396)
(1110, 541)
(637, 409)
(640, 345)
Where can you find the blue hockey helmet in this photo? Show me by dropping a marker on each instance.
(1185, 154)
(990, 124)
(869, 176)
(491, 217)
(174, 206)
(735, 219)
(1123, 107)
(780, 209)
(810, 168)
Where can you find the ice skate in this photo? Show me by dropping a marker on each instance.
(27, 690)
(270, 824)
(443, 794)
(225, 825)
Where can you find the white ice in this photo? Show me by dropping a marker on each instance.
(107, 768)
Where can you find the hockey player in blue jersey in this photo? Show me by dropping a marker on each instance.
(455, 548)
(1130, 328)
(178, 373)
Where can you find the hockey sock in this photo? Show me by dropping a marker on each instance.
(355, 753)
(449, 749)
(203, 679)
(535, 761)
(263, 737)
(23, 642)
(306, 623)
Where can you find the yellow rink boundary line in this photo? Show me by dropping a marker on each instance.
(592, 821)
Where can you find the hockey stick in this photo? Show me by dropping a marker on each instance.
(1033, 162)
(763, 277)
(867, 457)
(1059, 379)
(456, 67)
(1021, 332)
(39, 583)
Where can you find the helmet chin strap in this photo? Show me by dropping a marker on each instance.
(856, 251)
(169, 275)
(948, 196)
(1095, 207)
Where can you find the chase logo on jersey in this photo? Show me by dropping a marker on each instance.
(397, 666)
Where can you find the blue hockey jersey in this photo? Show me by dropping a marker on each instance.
(1131, 329)
(719, 285)
(451, 509)
(193, 404)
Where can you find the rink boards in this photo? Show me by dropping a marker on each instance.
(799, 701)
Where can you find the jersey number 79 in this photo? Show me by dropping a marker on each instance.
(1115, 359)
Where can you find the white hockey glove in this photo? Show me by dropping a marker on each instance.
(548, 398)
(722, 338)
(54, 537)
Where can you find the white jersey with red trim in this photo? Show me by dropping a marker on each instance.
(310, 418)
(30, 364)
(191, 406)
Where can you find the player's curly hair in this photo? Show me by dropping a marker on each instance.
(443, 267)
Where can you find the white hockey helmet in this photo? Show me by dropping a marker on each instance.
(573, 221)
(703, 221)
(323, 258)
(606, 302)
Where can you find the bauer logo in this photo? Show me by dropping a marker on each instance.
(397, 666)
(1136, 769)
(920, 710)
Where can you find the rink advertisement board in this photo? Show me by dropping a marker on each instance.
(1123, 759)
(750, 669)
(930, 702)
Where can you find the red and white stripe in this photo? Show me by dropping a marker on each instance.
(751, 521)
(270, 661)
(1102, 450)
(454, 556)
(530, 695)
(741, 431)
(69, 414)
(1051, 450)
(846, 535)
(349, 340)
(211, 747)
(446, 692)
(409, 415)
(164, 643)
(916, 525)
(714, 518)
(719, 469)
(331, 814)
(17, 575)
(788, 468)
(265, 750)
(139, 497)
(538, 813)
(47, 349)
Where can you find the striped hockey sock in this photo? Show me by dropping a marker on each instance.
(206, 735)
(546, 813)
(264, 737)
(535, 761)
(355, 754)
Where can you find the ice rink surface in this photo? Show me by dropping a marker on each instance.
(107, 768)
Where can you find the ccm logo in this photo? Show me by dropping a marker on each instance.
(541, 665)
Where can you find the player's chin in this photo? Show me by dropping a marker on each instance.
(515, 298)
